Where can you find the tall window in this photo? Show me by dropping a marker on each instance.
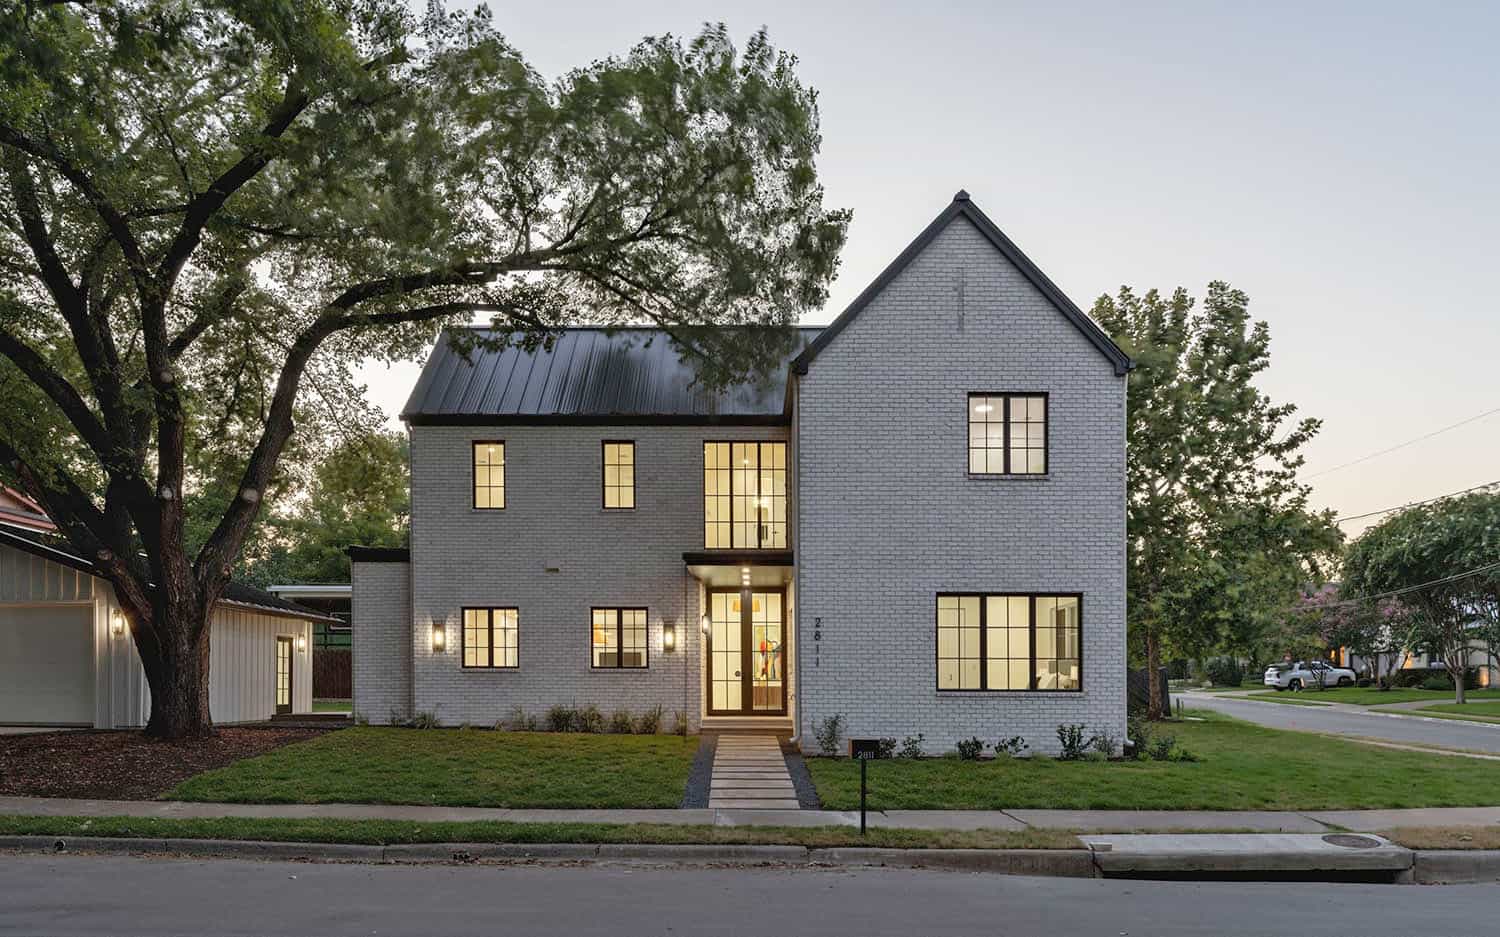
(491, 637)
(489, 475)
(744, 495)
(1009, 642)
(619, 637)
(1007, 434)
(619, 474)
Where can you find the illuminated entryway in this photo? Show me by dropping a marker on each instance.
(283, 675)
(747, 652)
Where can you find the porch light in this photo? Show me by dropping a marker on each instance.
(669, 636)
(703, 623)
(116, 623)
(301, 642)
(439, 637)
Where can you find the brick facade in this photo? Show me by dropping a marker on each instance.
(381, 605)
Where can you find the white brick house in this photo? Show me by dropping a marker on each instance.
(919, 524)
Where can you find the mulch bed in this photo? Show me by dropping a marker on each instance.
(124, 764)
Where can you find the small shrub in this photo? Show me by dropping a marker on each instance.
(649, 722)
(1104, 743)
(971, 748)
(1224, 671)
(1161, 748)
(621, 722)
(1010, 747)
(590, 720)
(1437, 681)
(911, 746)
(680, 727)
(1096, 756)
(395, 717)
(829, 732)
(1362, 682)
(424, 720)
(520, 721)
(1139, 731)
(885, 748)
(1070, 737)
(562, 719)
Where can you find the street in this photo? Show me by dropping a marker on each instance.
(1445, 733)
(41, 896)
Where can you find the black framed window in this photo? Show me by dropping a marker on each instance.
(744, 495)
(492, 637)
(489, 475)
(619, 474)
(1009, 641)
(1008, 434)
(619, 638)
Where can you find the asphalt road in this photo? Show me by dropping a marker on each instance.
(83, 895)
(1445, 733)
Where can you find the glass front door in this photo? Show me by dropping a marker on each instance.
(283, 675)
(746, 653)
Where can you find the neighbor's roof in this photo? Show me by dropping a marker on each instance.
(962, 206)
(235, 594)
(590, 375)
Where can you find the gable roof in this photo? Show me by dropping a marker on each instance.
(235, 594)
(589, 376)
(19, 510)
(962, 206)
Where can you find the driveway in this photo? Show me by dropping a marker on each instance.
(1354, 721)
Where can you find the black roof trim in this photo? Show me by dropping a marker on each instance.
(962, 205)
(738, 558)
(379, 554)
(602, 419)
(235, 593)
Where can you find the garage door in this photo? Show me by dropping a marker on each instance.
(47, 666)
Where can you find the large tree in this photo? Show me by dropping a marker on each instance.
(1218, 527)
(209, 211)
(1443, 559)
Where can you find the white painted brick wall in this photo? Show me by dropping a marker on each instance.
(889, 516)
(381, 614)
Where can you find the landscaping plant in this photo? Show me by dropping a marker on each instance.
(1070, 739)
(649, 722)
(970, 749)
(911, 746)
(1011, 747)
(562, 719)
(829, 732)
(621, 723)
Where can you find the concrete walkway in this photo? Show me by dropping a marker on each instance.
(750, 773)
(1262, 821)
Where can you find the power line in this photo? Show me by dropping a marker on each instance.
(1409, 442)
(1395, 592)
(1413, 504)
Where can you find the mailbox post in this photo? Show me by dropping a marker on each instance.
(863, 750)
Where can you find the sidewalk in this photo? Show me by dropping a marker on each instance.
(1312, 821)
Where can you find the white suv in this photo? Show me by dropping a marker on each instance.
(1301, 674)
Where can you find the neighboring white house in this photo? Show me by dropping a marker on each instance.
(65, 662)
(917, 524)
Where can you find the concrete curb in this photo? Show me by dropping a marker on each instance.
(1456, 866)
(1063, 863)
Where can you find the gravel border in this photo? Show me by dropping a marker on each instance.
(802, 782)
(700, 776)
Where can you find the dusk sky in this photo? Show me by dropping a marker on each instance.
(1338, 164)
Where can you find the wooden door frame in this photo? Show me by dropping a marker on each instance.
(747, 632)
(291, 675)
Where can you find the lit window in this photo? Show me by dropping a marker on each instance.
(744, 495)
(489, 475)
(491, 637)
(619, 637)
(1008, 642)
(1007, 434)
(619, 474)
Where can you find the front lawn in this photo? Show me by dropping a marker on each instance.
(458, 767)
(332, 705)
(1243, 767)
(1370, 696)
(1486, 711)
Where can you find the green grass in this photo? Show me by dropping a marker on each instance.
(392, 832)
(1483, 711)
(1290, 699)
(1369, 696)
(457, 767)
(332, 705)
(1243, 767)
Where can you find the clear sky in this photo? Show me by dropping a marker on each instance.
(1338, 162)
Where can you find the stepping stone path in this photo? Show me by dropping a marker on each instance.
(750, 774)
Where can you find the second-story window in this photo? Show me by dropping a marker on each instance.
(744, 495)
(489, 475)
(619, 475)
(1007, 434)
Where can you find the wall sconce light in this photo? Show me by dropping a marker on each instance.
(704, 623)
(669, 636)
(116, 623)
(302, 642)
(439, 637)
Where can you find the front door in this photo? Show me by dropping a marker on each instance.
(283, 675)
(747, 652)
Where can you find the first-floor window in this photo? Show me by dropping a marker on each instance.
(1008, 642)
(619, 637)
(491, 637)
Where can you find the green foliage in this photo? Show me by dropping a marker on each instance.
(829, 732)
(589, 720)
(649, 722)
(1073, 744)
(911, 746)
(562, 719)
(1010, 747)
(1220, 534)
(971, 749)
(1224, 671)
(621, 722)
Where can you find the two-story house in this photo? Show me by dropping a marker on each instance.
(918, 523)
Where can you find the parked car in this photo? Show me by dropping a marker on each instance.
(1301, 674)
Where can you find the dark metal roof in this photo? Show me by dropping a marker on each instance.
(961, 205)
(52, 548)
(590, 375)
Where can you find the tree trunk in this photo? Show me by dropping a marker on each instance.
(178, 675)
(1458, 679)
(1153, 677)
